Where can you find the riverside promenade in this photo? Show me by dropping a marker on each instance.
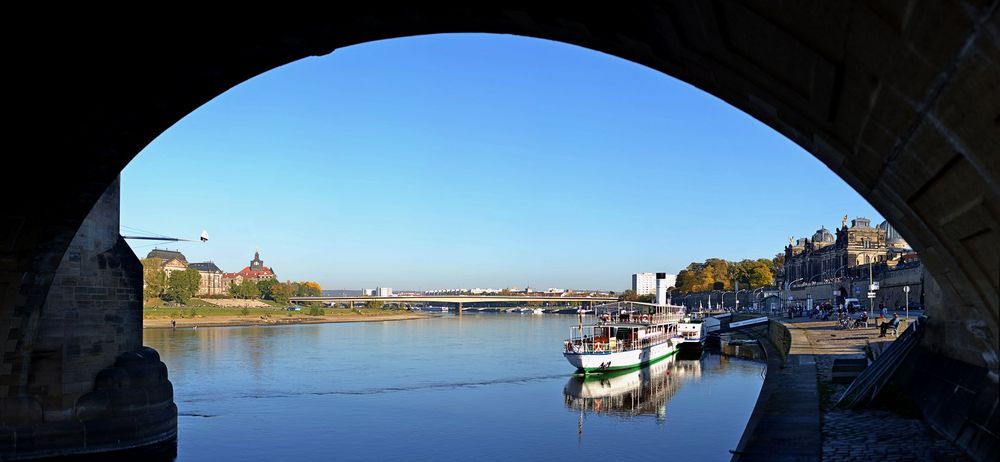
(792, 420)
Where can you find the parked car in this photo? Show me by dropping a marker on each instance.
(852, 304)
(294, 308)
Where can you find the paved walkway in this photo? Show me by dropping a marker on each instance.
(785, 424)
(792, 420)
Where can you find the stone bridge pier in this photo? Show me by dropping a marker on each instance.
(81, 381)
(897, 98)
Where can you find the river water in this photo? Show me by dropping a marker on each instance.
(480, 387)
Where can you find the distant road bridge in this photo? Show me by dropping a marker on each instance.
(458, 300)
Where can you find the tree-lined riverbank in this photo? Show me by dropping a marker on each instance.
(218, 316)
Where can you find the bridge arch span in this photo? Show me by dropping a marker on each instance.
(895, 98)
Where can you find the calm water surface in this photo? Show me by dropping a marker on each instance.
(481, 387)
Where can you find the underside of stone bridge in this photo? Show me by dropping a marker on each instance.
(901, 99)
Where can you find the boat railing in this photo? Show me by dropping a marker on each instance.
(662, 318)
(662, 313)
(606, 345)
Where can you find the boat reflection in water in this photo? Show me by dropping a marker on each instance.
(633, 392)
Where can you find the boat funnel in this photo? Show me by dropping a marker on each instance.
(661, 289)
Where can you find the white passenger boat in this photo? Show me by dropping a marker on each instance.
(692, 332)
(634, 392)
(626, 335)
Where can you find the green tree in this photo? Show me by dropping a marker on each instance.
(740, 272)
(629, 296)
(374, 304)
(779, 261)
(248, 290)
(264, 286)
(182, 285)
(154, 278)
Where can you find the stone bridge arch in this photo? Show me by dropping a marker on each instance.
(897, 98)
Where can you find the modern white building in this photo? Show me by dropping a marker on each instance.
(367, 292)
(645, 283)
(384, 291)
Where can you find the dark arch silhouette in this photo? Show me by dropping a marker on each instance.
(897, 98)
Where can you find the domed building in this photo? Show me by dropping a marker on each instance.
(892, 238)
(822, 238)
(897, 246)
(828, 256)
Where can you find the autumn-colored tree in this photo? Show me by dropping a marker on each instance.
(707, 280)
(281, 292)
(308, 289)
(761, 276)
(719, 274)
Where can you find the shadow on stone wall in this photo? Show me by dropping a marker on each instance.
(130, 406)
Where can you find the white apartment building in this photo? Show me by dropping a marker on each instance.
(645, 283)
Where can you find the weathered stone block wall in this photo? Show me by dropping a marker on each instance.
(780, 337)
(89, 385)
(960, 400)
(92, 315)
(890, 291)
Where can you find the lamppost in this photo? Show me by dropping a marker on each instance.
(787, 292)
(738, 298)
(722, 298)
(753, 295)
(906, 290)
(871, 299)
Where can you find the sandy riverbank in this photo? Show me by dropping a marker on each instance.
(225, 321)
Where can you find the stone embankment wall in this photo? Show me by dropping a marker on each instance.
(780, 338)
(90, 385)
(890, 293)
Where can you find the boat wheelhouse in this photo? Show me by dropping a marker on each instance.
(626, 335)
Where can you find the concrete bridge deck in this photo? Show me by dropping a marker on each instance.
(456, 299)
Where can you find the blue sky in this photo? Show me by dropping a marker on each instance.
(475, 160)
